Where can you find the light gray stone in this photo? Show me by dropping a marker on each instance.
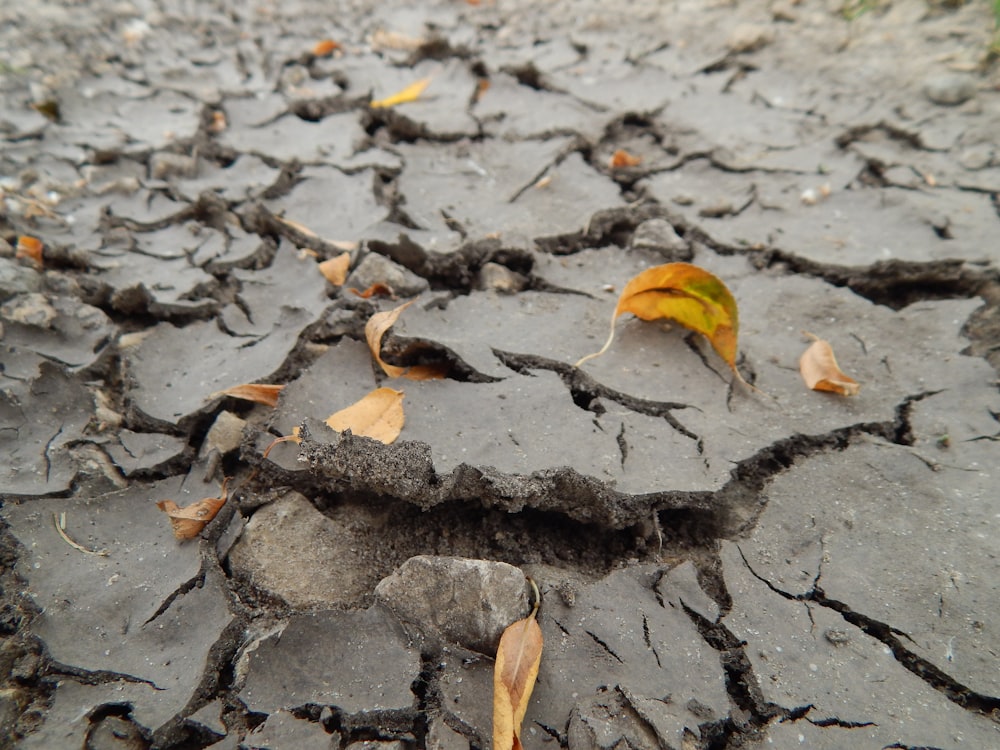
(950, 89)
(452, 599)
(659, 236)
(375, 268)
(224, 435)
(291, 550)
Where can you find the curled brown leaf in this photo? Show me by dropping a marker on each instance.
(820, 371)
(261, 393)
(187, 522)
(375, 329)
(335, 269)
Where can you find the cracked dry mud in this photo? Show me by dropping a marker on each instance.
(721, 568)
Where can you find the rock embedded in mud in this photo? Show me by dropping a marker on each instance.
(949, 89)
(457, 600)
(659, 235)
(377, 269)
(749, 38)
(291, 551)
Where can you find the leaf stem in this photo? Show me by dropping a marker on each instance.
(538, 596)
(607, 344)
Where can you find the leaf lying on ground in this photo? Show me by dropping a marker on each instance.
(690, 295)
(379, 415)
(335, 269)
(820, 370)
(188, 521)
(378, 289)
(622, 158)
(518, 658)
(261, 393)
(325, 47)
(29, 247)
(375, 329)
(410, 94)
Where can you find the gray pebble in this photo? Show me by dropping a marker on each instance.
(375, 269)
(659, 235)
(456, 600)
(949, 89)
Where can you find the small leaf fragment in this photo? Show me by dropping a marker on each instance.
(819, 369)
(622, 158)
(379, 415)
(187, 522)
(218, 122)
(378, 289)
(375, 329)
(335, 269)
(261, 393)
(410, 94)
(29, 247)
(687, 294)
(519, 656)
(325, 48)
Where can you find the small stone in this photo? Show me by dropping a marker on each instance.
(166, 165)
(457, 600)
(225, 435)
(949, 89)
(31, 309)
(837, 637)
(500, 279)
(17, 279)
(377, 269)
(976, 157)
(659, 235)
(749, 38)
(716, 210)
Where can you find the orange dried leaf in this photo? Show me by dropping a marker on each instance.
(29, 247)
(335, 270)
(518, 658)
(375, 329)
(687, 294)
(410, 94)
(261, 393)
(325, 47)
(187, 522)
(820, 370)
(378, 289)
(622, 158)
(218, 123)
(482, 86)
(379, 415)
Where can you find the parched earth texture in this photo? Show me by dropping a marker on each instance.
(721, 566)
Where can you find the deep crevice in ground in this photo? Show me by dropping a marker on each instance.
(930, 673)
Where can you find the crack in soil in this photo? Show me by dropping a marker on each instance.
(931, 674)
